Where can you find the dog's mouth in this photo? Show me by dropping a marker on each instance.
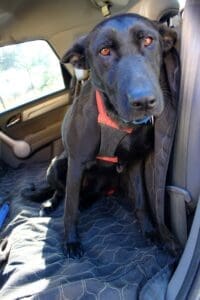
(147, 120)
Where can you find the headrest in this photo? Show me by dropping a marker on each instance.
(159, 10)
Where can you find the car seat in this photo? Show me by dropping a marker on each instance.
(184, 187)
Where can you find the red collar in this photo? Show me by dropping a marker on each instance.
(103, 117)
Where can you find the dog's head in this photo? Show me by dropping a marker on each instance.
(125, 55)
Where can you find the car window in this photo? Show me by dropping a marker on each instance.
(28, 71)
(182, 3)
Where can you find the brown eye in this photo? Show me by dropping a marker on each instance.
(105, 51)
(147, 41)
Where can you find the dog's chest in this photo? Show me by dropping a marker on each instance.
(117, 143)
(135, 145)
(125, 147)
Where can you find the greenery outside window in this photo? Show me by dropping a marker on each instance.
(28, 71)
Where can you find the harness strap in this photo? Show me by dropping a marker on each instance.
(113, 159)
(111, 133)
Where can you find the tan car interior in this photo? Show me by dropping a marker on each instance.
(31, 132)
(60, 23)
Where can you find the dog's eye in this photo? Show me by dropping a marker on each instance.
(147, 41)
(105, 51)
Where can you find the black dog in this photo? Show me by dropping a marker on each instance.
(110, 124)
(125, 57)
(98, 180)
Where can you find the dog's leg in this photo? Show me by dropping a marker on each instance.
(72, 247)
(56, 177)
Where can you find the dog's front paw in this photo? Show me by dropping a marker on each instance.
(73, 250)
(46, 208)
(51, 204)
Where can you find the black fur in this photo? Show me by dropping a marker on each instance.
(133, 82)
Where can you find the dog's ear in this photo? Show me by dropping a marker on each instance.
(171, 59)
(76, 55)
(169, 36)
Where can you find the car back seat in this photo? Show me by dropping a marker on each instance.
(184, 190)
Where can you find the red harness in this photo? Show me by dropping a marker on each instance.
(104, 119)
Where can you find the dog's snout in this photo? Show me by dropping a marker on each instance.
(142, 102)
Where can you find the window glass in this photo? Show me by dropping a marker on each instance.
(28, 71)
(182, 3)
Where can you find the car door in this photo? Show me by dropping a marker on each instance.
(34, 96)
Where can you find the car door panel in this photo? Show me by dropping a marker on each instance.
(38, 124)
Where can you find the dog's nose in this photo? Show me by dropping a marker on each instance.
(147, 102)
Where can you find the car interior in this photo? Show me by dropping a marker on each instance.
(36, 91)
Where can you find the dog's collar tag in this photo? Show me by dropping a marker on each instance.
(103, 117)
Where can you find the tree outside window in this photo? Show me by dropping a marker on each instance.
(28, 71)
